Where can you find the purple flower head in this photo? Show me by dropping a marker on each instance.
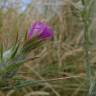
(40, 30)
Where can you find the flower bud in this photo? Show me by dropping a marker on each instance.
(40, 30)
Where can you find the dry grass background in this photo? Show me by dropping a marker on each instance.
(63, 57)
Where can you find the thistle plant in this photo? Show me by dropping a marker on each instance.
(16, 56)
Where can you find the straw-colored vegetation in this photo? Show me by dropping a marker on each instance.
(62, 61)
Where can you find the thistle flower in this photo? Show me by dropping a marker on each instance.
(37, 34)
(40, 30)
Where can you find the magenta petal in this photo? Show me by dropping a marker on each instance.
(40, 30)
(47, 33)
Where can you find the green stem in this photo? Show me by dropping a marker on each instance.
(89, 72)
(86, 21)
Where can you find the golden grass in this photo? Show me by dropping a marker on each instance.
(60, 58)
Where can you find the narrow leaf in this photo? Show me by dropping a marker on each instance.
(1, 52)
(15, 50)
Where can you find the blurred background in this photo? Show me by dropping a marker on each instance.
(63, 57)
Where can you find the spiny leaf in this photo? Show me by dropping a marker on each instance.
(15, 50)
